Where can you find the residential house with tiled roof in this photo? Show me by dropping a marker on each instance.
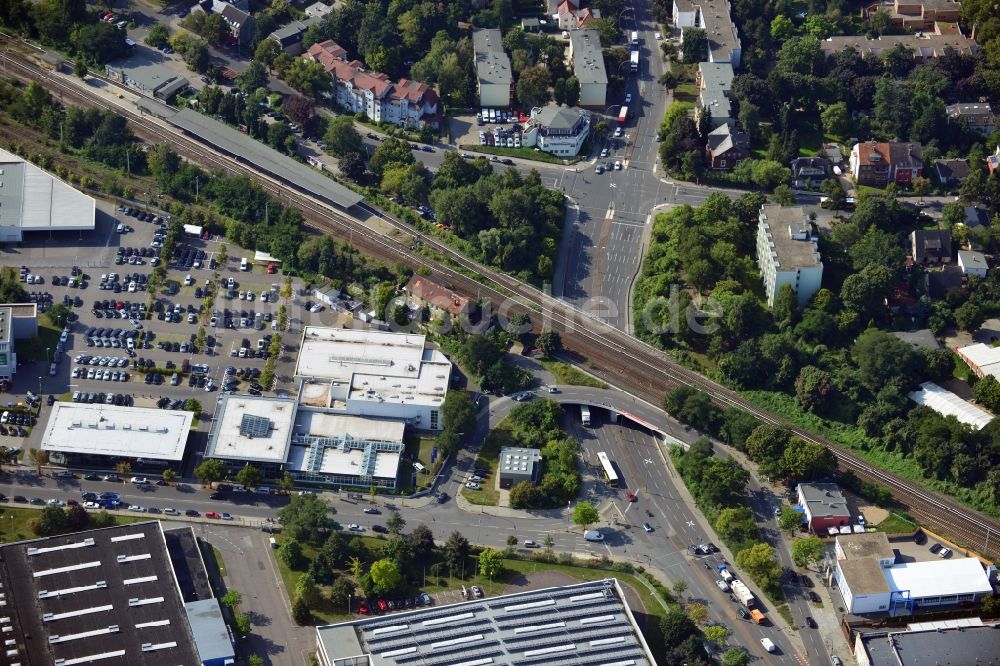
(878, 164)
(424, 291)
(407, 103)
(236, 16)
(951, 171)
(931, 246)
(727, 146)
(978, 116)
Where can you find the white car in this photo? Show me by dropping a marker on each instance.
(170, 511)
(628, 98)
(618, 165)
(139, 480)
(658, 36)
(354, 527)
(137, 508)
(475, 478)
(472, 485)
(55, 502)
(316, 308)
(604, 152)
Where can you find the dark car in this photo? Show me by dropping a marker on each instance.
(51, 400)
(442, 498)
(935, 547)
(806, 580)
(811, 622)
(191, 513)
(920, 538)
(743, 612)
(21, 499)
(813, 597)
(217, 496)
(380, 529)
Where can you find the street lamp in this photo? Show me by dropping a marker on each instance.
(348, 603)
(47, 359)
(39, 385)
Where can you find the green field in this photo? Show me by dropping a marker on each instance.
(488, 456)
(15, 522)
(568, 374)
(523, 153)
(896, 524)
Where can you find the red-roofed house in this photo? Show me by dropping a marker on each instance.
(424, 291)
(571, 17)
(878, 164)
(407, 103)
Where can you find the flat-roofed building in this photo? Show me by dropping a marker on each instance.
(923, 46)
(373, 373)
(519, 464)
(32, 199)
(587, 623)
(494, 77)
(94, 433)
(916, 14)
(787, 252)
(252, 429)
(147, 77)
(105, 596)
(953, 641)
(18, 321)
(588, 67)
(981, 359)
(345, 450)
(715, 81)
(824, 504)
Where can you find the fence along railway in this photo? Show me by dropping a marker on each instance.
(611, 354)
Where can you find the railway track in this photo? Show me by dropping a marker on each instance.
(621, 359)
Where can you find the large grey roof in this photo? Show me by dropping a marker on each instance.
(492, 63)
(932, 647)
(292, 32)
(557, 117)
(211, 637)
(583, 624)
(588, 59)
(149, 74)
(100, 596)
(789, 253)
(250, 150)
(34, 200)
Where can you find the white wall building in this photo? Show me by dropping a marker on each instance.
(346, 450)
(557, 129)
(981, 359)
(946, 403)
(787, 252)
(973, 263)
(870, 581)
(32, 199)
(255, 430)
(18, 321)
(373, 373)
(588, 67)
(493, 72)
(98, 432)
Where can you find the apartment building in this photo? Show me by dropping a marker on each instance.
(713, 17)
(493, 72)
(878, 164)
(924, 46)
(978, 116)
(588, 67)
(406, 103)
(787, 252)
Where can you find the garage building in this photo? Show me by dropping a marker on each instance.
(32, 199)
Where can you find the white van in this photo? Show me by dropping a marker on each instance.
(768, 644)
(244, 264)
(274, 544)
(593, 535)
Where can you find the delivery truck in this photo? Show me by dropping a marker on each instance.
(743, 593)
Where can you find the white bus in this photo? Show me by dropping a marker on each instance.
(585, 415)
(610, 475)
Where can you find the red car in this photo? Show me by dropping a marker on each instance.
(630, 496)
(363, 608)
(212, 514)
(382, 606)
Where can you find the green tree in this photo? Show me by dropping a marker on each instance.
(395, 522)
(679, 587)
(524, 495)
(307, 77)
(390, 153)
(266, 52)
(806, 460)
(969, 317)
(808, 550)
(291, 554)
(243, 623)
(256, 659)
(736, 524)
(584, 514)
(231, 599)
(717, 634)
(789, 520)
(549, 342)
(533, 86)
(836, 119)
(59, 314)
(761, 563)
(158, 36)
(301, 613)
(676, 627)
(458, 411)
(456, 549)
(307, 591)
(697, 612)
(352, 165)
(77, 518)
(307, 517)
(210, 471)
(342, 591)
(249, 476)
(782, 28)
(386, 576)
(490, 562)
(80, 68)
(813, 387)
(253, 77)
(169, 475)
(342, 137)
(735, 656)
(694, 45)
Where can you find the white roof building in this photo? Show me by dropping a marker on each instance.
(981, 359)
(107, 430)
(939, 578)
(32, 199)
(347, 450)
(373, 373)
(252, 429)
(946, 403)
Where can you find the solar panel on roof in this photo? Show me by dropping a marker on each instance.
(255, 426)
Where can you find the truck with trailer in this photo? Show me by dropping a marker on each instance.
(743, 593)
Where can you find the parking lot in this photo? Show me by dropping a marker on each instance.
(128, 346)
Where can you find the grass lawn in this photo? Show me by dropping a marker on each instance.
(487, 459)
(568, 374)
(896, 524)
(420, 447)
(15, 522)
(523, 153)
(686, 92)
(47, 338)
(962, 370)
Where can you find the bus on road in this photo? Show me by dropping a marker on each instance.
(635, 39)
(585, 415)
(623, 115)
(610, 475)
(634, 61)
